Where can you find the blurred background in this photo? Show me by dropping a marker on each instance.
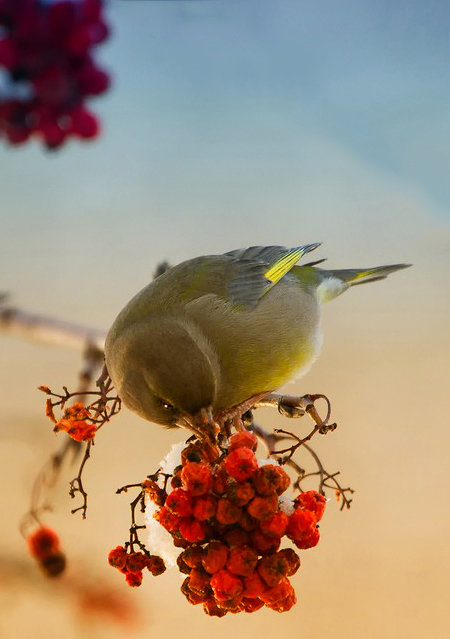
(232, 123)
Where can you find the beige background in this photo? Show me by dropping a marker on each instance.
(187, 169)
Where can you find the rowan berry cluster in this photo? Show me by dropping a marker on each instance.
(228, 514)
(45, 50)
(132, 564)
(44, 545)
(75, 425)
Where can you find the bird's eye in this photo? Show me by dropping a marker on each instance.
(166, 405)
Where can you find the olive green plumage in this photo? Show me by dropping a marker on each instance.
(216, 330)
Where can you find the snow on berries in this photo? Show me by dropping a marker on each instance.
(225, 516)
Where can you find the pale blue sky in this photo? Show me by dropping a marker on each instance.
(235, 122)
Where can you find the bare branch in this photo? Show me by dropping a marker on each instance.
(48, 330)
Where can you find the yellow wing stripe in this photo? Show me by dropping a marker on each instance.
(283, 265)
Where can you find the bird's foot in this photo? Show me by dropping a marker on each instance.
(238, 416)
(294, 407)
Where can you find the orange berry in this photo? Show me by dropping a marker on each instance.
(250, 605)
(136, 561)
(254, 586)
(272, 568)
(226, 585)
(192, 556)
(278, 592)
(313, 501)
(293, 560)
(205, 507)
(236, 536)
(192, 530)
(265, 543)
(214, 557)
(241, 463)
(302, 524)
(43, 543)
(242, 560)
(275, 524)
(196, 478)
(213, 609)
(199, 581)
(134, 579)
(240, 492)
(180, 502)
(243, 439)
(269, 479)
(227, 512)
(263, 507)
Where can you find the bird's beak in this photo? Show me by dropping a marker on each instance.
(201, 423)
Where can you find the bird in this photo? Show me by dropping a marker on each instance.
(215, 333)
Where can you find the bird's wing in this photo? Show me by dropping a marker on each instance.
(259, 268)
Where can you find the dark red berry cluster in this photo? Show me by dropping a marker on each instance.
(45, 547)
(45, 50)
(132, 564)
(224, 511)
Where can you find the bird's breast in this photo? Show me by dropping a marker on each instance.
(262, 348)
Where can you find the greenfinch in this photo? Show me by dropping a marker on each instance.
(215, 331)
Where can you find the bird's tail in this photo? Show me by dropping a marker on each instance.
(335, 282)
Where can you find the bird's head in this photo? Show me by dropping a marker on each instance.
(165, 371)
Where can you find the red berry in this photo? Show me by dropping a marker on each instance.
(180, 502)
(269, 479)
(227, 513)
(92, 81)
(263, 507)
(156, 565)
(308, 541)
(90, 10)
(293, 560)
(167, 519)
(134, 579)
(313, 501)
(275, 524)
(192, 530)
(226, 586)
(236, 536)
(242, 560)
(213, 609)
(43, 543)
(199, 581)
(8, 55)
(215, 557)
(192, 596)
(265, 543)
(273, 568)
(118, 557)
(254, 585)
(192, 556)
(278, 592)
(241, 463)
(247, 522)
(283, 605)
(240, 492)
(136, 561)
(205, 507)
(220, 479)
(250, 605)
(53, 565)
(196, 478)
(244, 438)
(84, 124)
(302, 523)
(61, 17)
